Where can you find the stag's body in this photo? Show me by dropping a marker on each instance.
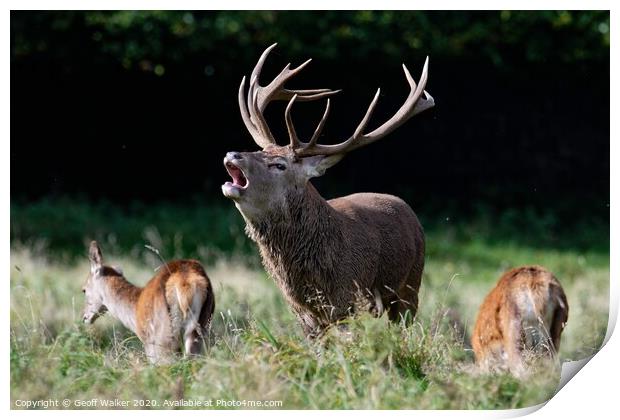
(177, 303)
(330, 258)
(329, 268)
(524, 313)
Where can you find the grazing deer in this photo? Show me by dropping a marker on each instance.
(525, 313)
(178, 299)
(329, 258)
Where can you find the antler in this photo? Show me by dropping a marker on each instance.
(258, 97)
(414, 104)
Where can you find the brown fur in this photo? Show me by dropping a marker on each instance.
(160, 313)
(174, 285)
(526, 311)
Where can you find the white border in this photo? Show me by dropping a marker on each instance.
(591, 393)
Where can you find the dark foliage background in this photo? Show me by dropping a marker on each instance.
(141, 106)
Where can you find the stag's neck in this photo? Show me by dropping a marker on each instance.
(297, 240)
(121, 299)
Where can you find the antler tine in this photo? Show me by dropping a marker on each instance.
(258, 97)
(258, 68)
(319, 128)
(263, 57)
(310, 91)
(292, 134)
(413, 105)
(251, 99)
(244, 109)
(362, 125)
(305, 95)
(409, 77)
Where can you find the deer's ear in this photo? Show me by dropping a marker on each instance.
(317, 165)
(94, 256)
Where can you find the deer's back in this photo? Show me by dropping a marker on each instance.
(379, 210)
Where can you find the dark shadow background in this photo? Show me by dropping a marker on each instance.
(133, 107)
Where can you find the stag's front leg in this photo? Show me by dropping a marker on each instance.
(310, 325)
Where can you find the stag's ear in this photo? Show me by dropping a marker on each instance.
(94, 256)
(317, 165)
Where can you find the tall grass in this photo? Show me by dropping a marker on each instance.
(255, 348)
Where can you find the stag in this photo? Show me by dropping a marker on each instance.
(330, 258)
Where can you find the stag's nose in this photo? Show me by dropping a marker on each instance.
(234, 156)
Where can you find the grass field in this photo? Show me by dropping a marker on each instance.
(256, 351)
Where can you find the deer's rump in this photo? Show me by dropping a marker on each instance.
(525, 312)
(178, 300)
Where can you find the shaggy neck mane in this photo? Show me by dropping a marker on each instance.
(295, 241)
(121, 297)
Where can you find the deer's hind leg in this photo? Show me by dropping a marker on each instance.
(193, 337)
(560, 317)
(197, 327)
(160, 351)
(193, 341)
(512, 337)
(157, 334)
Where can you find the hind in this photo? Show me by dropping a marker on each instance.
(524, 314)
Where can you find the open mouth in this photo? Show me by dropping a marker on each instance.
(238, 178)
(236, 188)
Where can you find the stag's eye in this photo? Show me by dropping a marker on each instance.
(278, 166)
(83, 290)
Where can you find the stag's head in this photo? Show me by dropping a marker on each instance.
(94, 288)
(263, 181)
